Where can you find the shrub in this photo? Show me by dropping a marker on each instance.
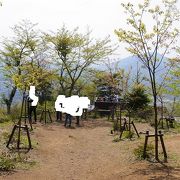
(7, 163)
(138, 152)
(116, 139)
(128, 134)
(10, 161)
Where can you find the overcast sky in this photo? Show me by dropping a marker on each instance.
(102, 16)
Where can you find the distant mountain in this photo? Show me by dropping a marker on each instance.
(132, 63)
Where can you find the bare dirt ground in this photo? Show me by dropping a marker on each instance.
(88, 152)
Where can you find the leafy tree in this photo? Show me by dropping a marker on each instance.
(74, 53)
(35, 75)
(15, 52)
(147, 41)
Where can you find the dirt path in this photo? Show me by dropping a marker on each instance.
(88, 153)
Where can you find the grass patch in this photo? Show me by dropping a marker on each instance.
(116, 139)
(4, 118)
(23, 161)
(15, 160)
(23, 139)
(10, 160)
(174, 159)
(7, 163)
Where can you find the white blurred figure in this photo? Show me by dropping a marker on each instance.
(32, 104)
(72, 106)
(59, 106)
(33, 96)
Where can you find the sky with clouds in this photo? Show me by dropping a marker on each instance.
(102, 16)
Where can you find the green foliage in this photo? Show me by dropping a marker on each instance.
(137, 98)
(128, 134)
(138, 152)
(73, 53)
(90, 91)
(33, 75)
(14, 53)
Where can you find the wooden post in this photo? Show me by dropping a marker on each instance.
(124, 126)
(19, 126)
(10, 138)
(45, 112)
(145, 144)
(120, 118)
(28, 135)
(129, 121)
(19, 137)
(135, 129)
(163, 146)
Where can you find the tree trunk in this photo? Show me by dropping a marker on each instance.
(153, 85)
(156, 126)
(9, 100)
(173, 106)
(8, 108)
(71, 89)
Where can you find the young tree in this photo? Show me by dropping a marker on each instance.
(15, 52)
(172, 88)
(137, 97)
(148, 39)
(74, 53)
(118, 78)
